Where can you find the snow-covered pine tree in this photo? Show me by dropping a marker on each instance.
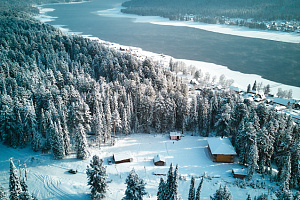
(192, 190)
(15, 187)
(57, 143)
(170, 181)
(135, 187)
(161, 193)
(252, 159)
(199, 189)
(222, 194)
(226, 194)
(81, 142)
(263, 197)
(96, 174)
(2, 193)
(249, 197)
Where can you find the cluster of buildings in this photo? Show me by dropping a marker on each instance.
(288, 106)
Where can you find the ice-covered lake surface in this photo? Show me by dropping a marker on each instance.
(242, 54)
(50, 179)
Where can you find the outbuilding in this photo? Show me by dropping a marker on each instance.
(159, 160)
(122, 157)
(239, 173)
(175, 135)
(221, 150)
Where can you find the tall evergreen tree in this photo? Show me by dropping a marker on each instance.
(96, 174)
(2, 194)
(161, 193)
(81, 142)
(199, 189)
(135, 187)
(192, 190)
(15, 187)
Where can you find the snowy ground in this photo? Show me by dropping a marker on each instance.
(241, 80)
(49, 178)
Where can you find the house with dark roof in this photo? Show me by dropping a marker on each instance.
(221, 149)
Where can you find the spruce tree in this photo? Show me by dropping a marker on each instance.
(96, 174)
(192, 190)
(81, 142)
(170, 181)
(135, 187)
(161, 193)
(199, 189)
(15, 187)
(2, 194)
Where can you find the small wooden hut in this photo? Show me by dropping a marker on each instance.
(239, 173)
(122, 157)
(175, 136)
(159, 160)
(221, 150)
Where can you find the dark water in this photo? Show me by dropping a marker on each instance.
(276, 61)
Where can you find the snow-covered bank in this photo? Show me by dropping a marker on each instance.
(241, 80)
(49, 178)
(217, 28)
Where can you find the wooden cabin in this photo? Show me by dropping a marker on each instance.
(239, 173)
(175, 136)
(221, 150)
(159, 160)
(122, 157)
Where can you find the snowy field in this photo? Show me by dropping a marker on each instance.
(241, 80)
(49, 178)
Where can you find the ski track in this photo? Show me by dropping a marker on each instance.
(52, 186)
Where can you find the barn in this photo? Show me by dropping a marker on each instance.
(159, 160)
(221, 150)
(239, 173)
(175, 136)
(122, 157)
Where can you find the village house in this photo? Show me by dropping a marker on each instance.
(122, 157)
(175, 135)
(281, 101)
(159, 160)
(239, 173)
(236, 89)
(221, 150)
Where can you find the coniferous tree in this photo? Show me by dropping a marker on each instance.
(81, 142)
(161, 193)
(199, 189)
(135, 187)
(192, 190)
(15, 187)
(96, 174)
(3, 194)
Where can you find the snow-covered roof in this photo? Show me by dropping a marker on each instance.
(175, 134)
(159, 158)
(236, 89)
(122, 156)
(240, 171)
(281, 101)
(221, 146)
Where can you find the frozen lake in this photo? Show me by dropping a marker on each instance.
(273, 60)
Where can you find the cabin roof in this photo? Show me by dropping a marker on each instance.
(159, 158)
(239, 171)
(175, 134)
(221, 146)
(281, 101)
(122, 156)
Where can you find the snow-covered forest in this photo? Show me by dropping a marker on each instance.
(57, 89)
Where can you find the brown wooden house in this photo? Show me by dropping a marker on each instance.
(239, 173)
(122, 157)
(175, 135)
(159, 160)
(221, 150)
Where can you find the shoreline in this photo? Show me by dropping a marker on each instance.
(241, 31)
(241, 80)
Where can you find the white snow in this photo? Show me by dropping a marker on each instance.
(50, 179)
(220, 146)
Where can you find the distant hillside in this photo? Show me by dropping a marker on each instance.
(256, 9)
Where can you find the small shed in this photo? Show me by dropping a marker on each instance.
(175, 136)
(122, 157)
(236, 89)
(239, 173)
(221, 150)
(159, 160)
